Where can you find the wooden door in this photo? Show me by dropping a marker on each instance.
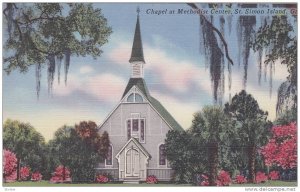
(132, 163)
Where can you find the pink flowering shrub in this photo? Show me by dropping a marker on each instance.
(24, 173)
(274, 175)
(151, 179)
(261, 177)
(240, 179)
(58, 175)
(36, 176)
(281, 150)
(223, 178)
(9, 166)
(204, 180)
(102, 179)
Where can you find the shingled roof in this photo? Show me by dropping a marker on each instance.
(141, 84)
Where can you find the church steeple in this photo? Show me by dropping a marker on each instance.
(137, 56)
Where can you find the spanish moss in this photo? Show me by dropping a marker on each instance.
(260, 63)
(51, 71)
(286, 98)
(67, 64)
(271, 71)
(10, 21)
(38, 75)
(246, 32)
(222, 85)
(58, 59)
(229, 18)
(213, 56)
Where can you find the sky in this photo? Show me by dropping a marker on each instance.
(175, 73)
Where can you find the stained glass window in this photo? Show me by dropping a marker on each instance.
(142, 134)
(162, 154)
(109, 156)
(128, 129)
(135, 125)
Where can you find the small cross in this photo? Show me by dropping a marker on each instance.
(138, 10)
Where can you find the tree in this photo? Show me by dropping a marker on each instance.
(252, 126)
(275, 39)
(25, 142)
(280, 39)
(213, 130)
(46, 33)
(88, 132)
(79, 149)
(184, 155)
(287, 117)
(281, 150)
(61, 146)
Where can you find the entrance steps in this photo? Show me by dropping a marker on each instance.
(131, 181)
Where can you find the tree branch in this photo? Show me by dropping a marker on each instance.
(194, 6)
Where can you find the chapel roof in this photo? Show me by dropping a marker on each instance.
(141, 85)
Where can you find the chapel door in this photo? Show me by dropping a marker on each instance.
(132, 163)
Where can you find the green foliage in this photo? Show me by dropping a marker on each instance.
(212, 129)
(37, 30)
(252, 124)
(79, 149)
(280, 38)
(287, 117)
(184, 156)
(203, 147)
(26, 143)
(46, 33)
(252, 127)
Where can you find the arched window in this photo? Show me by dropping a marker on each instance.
(138, 98)
(109, 159)
(135, 97)
(130, 98)
(162, 155)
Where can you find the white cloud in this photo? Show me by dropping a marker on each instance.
(85, 69)
(171, 73)
(105, 87)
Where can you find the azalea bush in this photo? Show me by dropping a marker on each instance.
(36, 176)
(151, 179)
(240, 179)
(9, 166)
(102, 179)
(274, 175)
(261, 177)
(24, 173)
(204, 180)
(223, 178)
(281, 150)
(61, 175)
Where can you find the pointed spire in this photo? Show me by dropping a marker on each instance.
(137, 54)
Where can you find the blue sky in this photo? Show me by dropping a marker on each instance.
(175, 73)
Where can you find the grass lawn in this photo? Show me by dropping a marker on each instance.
(47, 184)
(269, 184)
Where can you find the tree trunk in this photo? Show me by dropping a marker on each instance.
(251, 163)
(18, 169)
(64, 173)
(213, 163)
